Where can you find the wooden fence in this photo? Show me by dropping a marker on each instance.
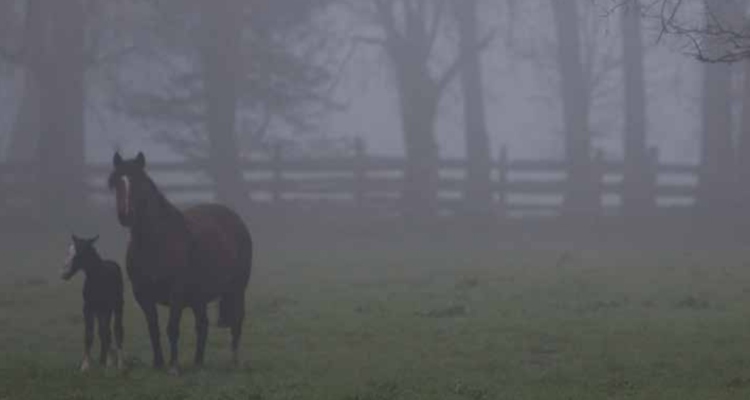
(375, 183)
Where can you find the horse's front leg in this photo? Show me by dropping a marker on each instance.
(152, 320)
(173, 331)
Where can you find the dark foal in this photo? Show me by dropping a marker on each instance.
(102, 298)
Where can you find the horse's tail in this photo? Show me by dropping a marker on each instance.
(232, 303)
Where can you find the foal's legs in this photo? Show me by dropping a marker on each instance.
(152, 319)
(88, 337)
(105, 335)
(173, 333)
(201, 332)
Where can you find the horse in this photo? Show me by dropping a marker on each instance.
(102, 298)
(181, 259)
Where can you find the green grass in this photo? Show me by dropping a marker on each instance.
(369, 320)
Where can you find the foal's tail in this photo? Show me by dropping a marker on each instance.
(232, 303)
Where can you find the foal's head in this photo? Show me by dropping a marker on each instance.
(129, 181)
(81, 256)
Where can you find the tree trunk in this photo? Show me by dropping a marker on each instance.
(717, 177)
(419, 100)
(581, 198)
(24, 132)
(60, 74)
(635, 199)
(743, 153)
(221, 63)
(478, 192)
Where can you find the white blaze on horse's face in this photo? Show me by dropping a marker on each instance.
(124, 196)
(67, 270)
(126, 188)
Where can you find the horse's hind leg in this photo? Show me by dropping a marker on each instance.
(201, 332)
(88, 337)
(105, 335)
(173, 333)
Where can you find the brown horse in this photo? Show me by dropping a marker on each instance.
(181, 259)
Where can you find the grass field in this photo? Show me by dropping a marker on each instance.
(391, 319)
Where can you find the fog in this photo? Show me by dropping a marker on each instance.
(446, 199)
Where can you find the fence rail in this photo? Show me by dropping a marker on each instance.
(519, 187)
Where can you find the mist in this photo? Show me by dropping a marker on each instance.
(446, 199)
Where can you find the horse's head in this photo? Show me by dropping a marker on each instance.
(129, 180)
(81, 256)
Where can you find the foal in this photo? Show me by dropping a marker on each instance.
(102, 297)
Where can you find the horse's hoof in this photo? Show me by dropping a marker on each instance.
(174, 371)
(85, 366)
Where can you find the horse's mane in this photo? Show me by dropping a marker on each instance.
(157, 202)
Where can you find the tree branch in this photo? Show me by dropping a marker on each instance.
(387, 20)
(434, 28)
(461, 58)
(14, 57)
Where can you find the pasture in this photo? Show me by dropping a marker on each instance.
(388, 317)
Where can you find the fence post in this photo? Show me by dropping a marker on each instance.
(360, 172)
(277, 175)
(501, 188)
(597, 184)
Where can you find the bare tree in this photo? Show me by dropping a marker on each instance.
(25, 31)
(743, 145)
(709, 36)
(479, 190)
(228, 66)
(580, 61)
(580, 199)
(717, 148)
(51, 49)
(410, 30)
(221, 61)
(635, 194)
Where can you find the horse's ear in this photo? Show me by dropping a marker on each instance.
(140, 160)
(93, 239)
(74, 238)
(116, 159)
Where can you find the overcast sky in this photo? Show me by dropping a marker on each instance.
(522, 99)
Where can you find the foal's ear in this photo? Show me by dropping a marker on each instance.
(117, 159)
(140, 160)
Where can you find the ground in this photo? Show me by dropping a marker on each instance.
(384, 318)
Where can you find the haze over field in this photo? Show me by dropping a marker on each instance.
(448, 199)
